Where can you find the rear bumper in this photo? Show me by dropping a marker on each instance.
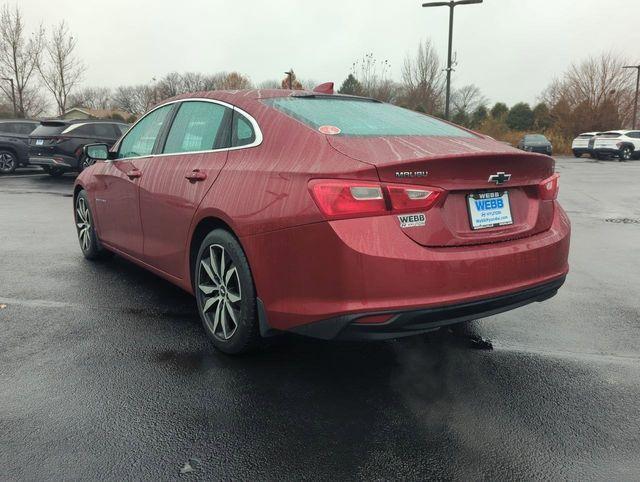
(415, 322)
(358, 267)
(64, 162)
(607, 151)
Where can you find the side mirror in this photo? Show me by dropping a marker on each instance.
(97, 152)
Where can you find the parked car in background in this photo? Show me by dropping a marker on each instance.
(535, 143)
(583, 143)
(336, 217)
(14, 143)
(623, 144)
(56, 145)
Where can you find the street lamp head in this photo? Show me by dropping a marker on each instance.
(451, 3)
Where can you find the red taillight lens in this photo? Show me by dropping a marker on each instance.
(349, 199)
(412, 198)
(549, 188)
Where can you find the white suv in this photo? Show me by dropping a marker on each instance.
(581, 144)
(625, 145)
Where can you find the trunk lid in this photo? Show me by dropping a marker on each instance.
(462, 167)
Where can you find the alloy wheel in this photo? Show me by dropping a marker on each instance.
(221, 295)
(626, 154)
(83, 223)
(7, 162)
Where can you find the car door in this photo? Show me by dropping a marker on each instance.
(194, 151)
(117, 188)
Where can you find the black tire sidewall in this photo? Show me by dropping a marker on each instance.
(246, 336)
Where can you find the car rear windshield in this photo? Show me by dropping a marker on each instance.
(45, 130)
(536, 138)
(611, 134)
(585, 136)
(362, 117)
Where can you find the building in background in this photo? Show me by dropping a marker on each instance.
(84, 113)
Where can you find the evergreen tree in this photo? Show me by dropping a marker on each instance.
(351, 86)
(520, 117)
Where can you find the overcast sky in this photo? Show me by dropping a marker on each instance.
(511, 49)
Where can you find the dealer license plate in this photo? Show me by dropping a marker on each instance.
(489, 209)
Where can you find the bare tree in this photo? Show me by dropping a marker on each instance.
(91, 98)
(595, 94)
(135, 99)
(60, 69)
(373, 76)
(423, 80)
(233, 81)
(19, 56)
(269, 84)
(467, 99)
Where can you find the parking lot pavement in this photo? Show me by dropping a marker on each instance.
(105, 371)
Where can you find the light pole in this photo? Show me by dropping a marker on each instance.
(451, 5)
(290, 78)
(635, 105)
(13, 96)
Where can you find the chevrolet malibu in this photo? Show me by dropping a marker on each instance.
(331, 216)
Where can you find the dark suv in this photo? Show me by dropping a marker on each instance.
(14, 143)
(56, 145)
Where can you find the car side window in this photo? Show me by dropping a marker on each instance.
(198, 126)
(8, 127)
(635, 135)
(26, 128)
(82, 131)
(243, 133)
(102, 130)
(140, 140)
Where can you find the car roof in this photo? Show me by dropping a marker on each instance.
(242, 98)
(590, 133)
(63, 122)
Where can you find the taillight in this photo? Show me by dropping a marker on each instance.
(338, 199)
(549, 188)
(412, 198)
(347, 199)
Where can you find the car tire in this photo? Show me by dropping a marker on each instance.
(8, 162)
(625, 154)
(54, 171)
(90, 245)
(225, 294)
(577, 154)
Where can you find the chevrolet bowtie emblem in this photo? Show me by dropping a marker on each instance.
(499, 178)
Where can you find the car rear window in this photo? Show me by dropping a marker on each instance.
(363, 117)
(536, 138)
(611, 134)
(585, 136)
(44, 130)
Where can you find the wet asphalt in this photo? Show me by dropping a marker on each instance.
(105, 372)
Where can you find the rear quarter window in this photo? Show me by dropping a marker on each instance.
(363, 117)
(45, 130)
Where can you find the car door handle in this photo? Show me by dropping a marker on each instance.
(196, 175)
(134, 174)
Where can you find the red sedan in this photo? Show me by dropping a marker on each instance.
(325, 215)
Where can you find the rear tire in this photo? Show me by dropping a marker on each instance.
(90, 245)
(626, 154)
(577, 154)
(225, 294)
(54, 171)
(8, 162)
